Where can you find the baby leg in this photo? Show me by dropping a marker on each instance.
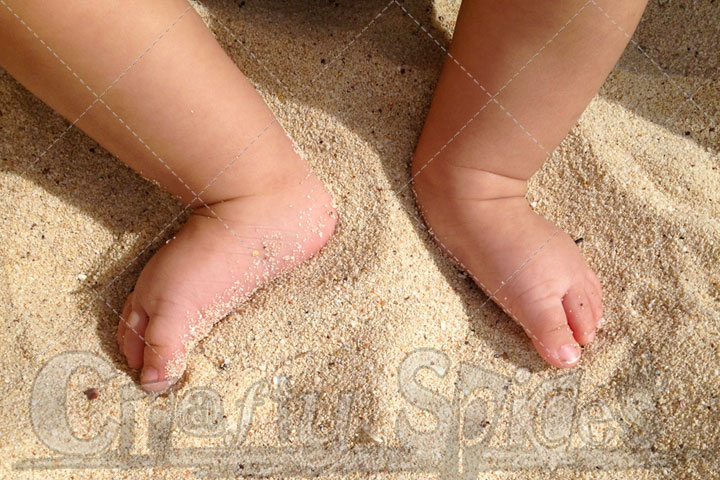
(518, 76)
(167, 101)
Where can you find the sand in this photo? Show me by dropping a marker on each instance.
(637, 179)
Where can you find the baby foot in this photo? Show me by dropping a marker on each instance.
(211, 266)
(483, 221)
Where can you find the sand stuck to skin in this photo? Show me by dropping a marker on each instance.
(637, 179)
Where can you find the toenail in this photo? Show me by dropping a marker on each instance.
(148, 375)
(133, 320)
(569, 354)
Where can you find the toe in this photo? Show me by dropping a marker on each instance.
(547, 326)
(164, 352)
(134, 341)
(579, 314)
(120, 336)
(594, 291)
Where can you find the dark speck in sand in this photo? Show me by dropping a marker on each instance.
(91, 393)
(578, 241)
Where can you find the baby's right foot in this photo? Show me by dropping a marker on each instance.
(211, 266)
(175, 108)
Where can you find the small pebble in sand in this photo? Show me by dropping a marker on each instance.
(82, 277)
(91, 393)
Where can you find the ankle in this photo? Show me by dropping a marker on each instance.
(455, 182)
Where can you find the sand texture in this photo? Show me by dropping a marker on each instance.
(330, 346)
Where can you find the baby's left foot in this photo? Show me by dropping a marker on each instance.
(529, 267)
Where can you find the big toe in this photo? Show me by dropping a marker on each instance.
(547, 326)
(164, 351)
(133, 342)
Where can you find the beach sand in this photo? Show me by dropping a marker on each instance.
(637, 179)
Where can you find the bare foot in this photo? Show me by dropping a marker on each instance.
(179, 113)
(516, 78)
(483, 221)
(211, 266)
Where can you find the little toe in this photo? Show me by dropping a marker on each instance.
(547, 326)
(134, 341)
(579, 312)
